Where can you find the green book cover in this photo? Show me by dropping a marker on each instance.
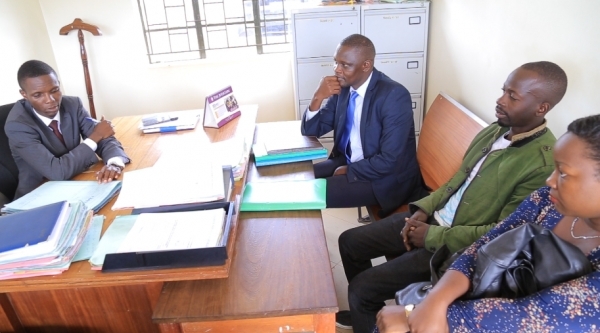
(284, 195)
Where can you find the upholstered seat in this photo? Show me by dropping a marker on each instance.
(9, 174)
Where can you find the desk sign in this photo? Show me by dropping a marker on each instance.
(220, 108)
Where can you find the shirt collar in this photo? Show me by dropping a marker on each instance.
(46, 120)
(362, 90)
(533, 132)
(521, 136)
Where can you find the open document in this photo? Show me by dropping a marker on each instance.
(183, 183)
(175, 231)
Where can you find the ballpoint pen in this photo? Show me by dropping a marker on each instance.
(92, 119)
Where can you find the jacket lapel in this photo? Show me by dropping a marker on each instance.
(66, 128)
(366, 105)
(56, 146)
(340, 113)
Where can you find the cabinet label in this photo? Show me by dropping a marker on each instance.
(391, 17)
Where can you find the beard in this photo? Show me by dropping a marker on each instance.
(504, 122)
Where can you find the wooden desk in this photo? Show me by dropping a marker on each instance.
(280, 278)
(297, 284)
(82, 300)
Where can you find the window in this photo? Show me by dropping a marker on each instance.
(177, 30)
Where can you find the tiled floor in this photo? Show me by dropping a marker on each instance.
(337, 221)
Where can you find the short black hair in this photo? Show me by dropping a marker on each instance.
(588, 130)
(364, 44)
(554, 78)
(33, 68)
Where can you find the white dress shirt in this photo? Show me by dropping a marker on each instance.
(355, 142)
(117, 160)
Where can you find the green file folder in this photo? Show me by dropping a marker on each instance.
(285, 195)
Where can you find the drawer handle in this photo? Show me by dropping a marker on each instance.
(412, 64)
(414, 20)
(414, 105)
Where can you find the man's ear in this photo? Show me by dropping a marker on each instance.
(543, 109)
(367, 65)
(22, 92)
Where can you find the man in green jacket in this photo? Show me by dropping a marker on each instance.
(505, 162)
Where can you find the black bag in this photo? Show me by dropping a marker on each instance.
(523, 261)
(415, 293)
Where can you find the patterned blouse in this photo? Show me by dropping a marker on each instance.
(573, 306)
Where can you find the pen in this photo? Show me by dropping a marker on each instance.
(92, 119)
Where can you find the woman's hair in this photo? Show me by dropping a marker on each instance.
(588, 129)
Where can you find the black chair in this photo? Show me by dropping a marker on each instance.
(9, 174)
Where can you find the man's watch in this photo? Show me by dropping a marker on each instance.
(120, 168)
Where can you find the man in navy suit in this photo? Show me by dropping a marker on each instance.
(373, 160)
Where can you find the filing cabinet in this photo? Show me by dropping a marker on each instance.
(398, 31)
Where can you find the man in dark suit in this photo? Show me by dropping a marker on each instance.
(373, 160)
(45, 132)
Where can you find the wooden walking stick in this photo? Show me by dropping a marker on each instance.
(79, 25)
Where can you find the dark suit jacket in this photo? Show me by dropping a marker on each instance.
(40, 155)
(387, 135)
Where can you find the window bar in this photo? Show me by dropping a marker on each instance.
(146, 28)
(199, 33)
(257, 29)
(168, 27)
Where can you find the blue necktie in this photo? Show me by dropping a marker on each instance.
(344, 143)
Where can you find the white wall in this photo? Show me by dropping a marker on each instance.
(475, 44)
(23, 37)
(125, 84)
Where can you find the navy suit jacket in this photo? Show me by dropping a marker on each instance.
(387, 135)
(40, 155)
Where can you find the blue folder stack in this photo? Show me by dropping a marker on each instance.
(43, 240)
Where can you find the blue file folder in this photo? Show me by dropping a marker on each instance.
(29, 227)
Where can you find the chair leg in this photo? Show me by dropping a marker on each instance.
(361, 218)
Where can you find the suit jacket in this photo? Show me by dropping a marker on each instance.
(387, 135)
(40, 155)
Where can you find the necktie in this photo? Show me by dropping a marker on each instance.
(54, 126)
(345, 142)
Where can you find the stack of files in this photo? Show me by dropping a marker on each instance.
(92, 194)
(230, 153)
(182, 120)
(43, 240)
(284, 195)
(282, 142)
(266, 155)
(184, 183)
(228, 188)
(167, 239)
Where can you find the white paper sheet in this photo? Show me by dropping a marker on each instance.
(175, 231)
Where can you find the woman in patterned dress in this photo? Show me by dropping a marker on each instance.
(570, 207)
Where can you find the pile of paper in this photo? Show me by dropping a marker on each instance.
(227, 153)
(263, 157)
(158, 232)
(43, 240)
(92, 194)
(182, 183)
(282, 142)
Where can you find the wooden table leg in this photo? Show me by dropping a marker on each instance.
(11, 319)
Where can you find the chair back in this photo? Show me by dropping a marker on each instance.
(447, 132)
(9, 174)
